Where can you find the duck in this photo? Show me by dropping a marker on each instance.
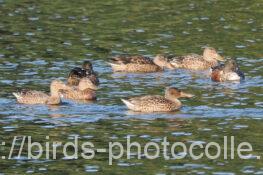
(39, 97)
(157, 103)
(86, 71)
(139, 64)
(227, 72)
(209, 59)
(85, 90)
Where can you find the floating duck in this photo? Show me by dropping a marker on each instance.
(84, 91)
(38, 97)
(139, 64)
(209, 59)
(227, 72)
(86, 71)
(156, 103)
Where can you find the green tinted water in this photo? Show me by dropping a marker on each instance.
(41, 41)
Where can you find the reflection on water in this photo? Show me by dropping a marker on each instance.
(41, 41)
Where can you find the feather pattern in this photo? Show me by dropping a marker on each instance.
(134, 64)
(38, 97)
(157, 103)
(152, 104)
(76, 94)
(197, 62)
(31, 97)
(192, 61)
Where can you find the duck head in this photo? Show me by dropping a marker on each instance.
(87, 65)
(174, 93)
(210, 54)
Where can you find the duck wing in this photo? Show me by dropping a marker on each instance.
(185, 59)
(75, 94)
(148, 99)
(32, 93)
(31, 97)
(132, 60)
(141, 60)
(150, 103)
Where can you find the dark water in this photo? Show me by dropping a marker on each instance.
(42, 40)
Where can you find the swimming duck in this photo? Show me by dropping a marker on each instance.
(209, 59)
(139, 64)
(156, 103)
(228, 72)
(38, 97)
(84, 91)
(86, 71)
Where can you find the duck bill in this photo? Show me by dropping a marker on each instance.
(187, 95)
(220, 58)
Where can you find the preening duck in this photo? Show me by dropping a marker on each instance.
(84, 91)
(227, 72)
(86, 71)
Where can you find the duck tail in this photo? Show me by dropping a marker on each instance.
(111, 63)
(116, 67)
(128, 104)
(175, 64)
(17, 95)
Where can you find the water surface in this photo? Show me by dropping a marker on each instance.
(41, 41)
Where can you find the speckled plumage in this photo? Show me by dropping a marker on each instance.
(197, 62)
(153, 103)
(138, 64)
(156, 103)
(38, 97)
(84, 91)
(32, 97)
(132, 59)
(193, 62)
(76, 94)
